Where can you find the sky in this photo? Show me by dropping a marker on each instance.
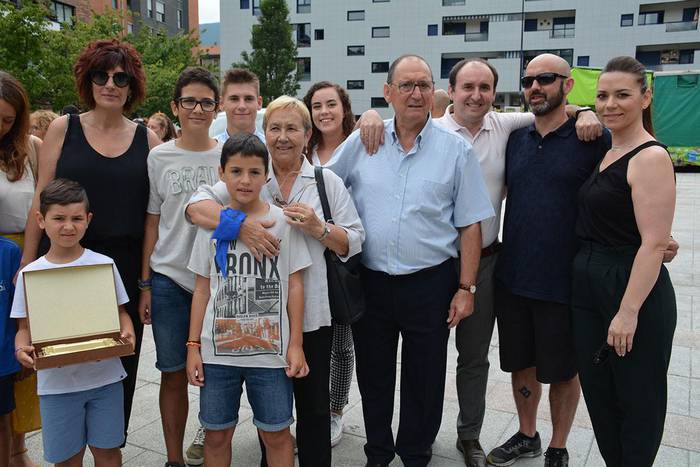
(208, 11)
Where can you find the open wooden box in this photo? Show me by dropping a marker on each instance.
(73, 315)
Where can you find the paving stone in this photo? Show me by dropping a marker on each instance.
(678, 395)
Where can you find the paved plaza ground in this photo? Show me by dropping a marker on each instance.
(681, 442)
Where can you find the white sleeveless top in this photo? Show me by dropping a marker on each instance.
(16, 199)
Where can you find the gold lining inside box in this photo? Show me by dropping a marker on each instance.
(60, 349)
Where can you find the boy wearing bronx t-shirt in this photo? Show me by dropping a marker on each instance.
(247, 315)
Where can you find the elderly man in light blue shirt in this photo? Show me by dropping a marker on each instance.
(421, 199)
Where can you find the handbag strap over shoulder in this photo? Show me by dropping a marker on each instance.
(321, 185)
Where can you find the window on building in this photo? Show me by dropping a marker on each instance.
(303, 34)
(355, 84)
(446, 65)
(432, 30)
(381, 31)
(452, 2)
(303, 6)
(453, 28)
(648, 59)
(62, 13)
(304, 68)
(356, 15)
(149, 8)
(130, 28)
(690, 14)
(179, 19)
(583, 60)
(318, 34)
(564, 27)
(356, 50)
(245, 4)
(530, 24)
(651, 17)
(256, 8)
(626, 20)
(160, 11)
(115, 4)
(378, 102)
(686, 56)
(380, 67)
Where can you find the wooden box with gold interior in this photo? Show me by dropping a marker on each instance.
(73, 315)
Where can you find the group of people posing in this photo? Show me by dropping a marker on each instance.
(219, 243)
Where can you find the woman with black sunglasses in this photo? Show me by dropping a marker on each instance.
(106, 153)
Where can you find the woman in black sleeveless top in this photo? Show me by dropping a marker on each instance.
(623, 303)
(106, 153)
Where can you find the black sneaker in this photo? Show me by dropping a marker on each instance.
(516, 447)
(556, 457)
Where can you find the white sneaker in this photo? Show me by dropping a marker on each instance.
(336, 428)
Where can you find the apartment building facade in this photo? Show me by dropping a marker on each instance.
(352, 42)
(172, 15)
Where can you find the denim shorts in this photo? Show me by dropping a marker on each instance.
(170, 320)
(73, 420)
(269, 393)
(7, 394)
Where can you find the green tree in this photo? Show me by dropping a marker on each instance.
(22, 53)
(274, 53)
(43, 58)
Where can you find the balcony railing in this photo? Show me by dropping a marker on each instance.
(676, 26)
(476, 36)
(562, 33)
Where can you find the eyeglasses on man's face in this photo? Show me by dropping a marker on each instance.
(543, 78)
(190, 103)
(407, 87)
(120, 79)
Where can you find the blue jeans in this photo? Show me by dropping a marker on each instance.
(269, 393)
(170, 319)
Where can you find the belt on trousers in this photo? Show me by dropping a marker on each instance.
(492, 249)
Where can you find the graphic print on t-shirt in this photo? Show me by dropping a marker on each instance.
(247, 307)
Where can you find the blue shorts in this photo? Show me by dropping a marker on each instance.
(7, 394)
(269, 393)
(170, 320)
(73, 420)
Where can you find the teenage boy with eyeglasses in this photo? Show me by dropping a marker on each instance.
(175, 169)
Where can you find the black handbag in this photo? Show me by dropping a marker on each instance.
(345, 292)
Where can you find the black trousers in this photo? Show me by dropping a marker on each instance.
(126, 254)
(625, 396)
(415, 307)
(312, 402)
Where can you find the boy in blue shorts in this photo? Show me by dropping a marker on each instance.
(82, 404)
(247, 315)
(9, 263)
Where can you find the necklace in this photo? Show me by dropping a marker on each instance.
(618, 148)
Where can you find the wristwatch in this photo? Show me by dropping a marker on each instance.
(582, 109)
(471, 288)
(326, 232)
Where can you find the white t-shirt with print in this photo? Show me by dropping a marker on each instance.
(246, 322)
(174, 174)
(80, 376)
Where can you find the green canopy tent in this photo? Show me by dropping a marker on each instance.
(676, 109)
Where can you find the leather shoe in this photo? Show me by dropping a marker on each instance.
(474, 455)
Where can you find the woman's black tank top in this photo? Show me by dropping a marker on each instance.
(605, 208)
(117, 187)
